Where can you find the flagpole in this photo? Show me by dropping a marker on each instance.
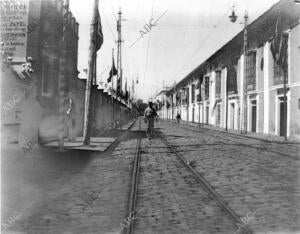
(119, 54)
(92, 50)
(112, 92)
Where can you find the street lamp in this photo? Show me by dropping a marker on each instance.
(243, 122)
(233, 16)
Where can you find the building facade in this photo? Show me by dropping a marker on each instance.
(214, 92)
(34, 29)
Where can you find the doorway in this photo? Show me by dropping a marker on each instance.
(207, 114)
(282, 117)
(231, 118)
(193, 115)
(187, 114)
(253, 116)
(218, 115)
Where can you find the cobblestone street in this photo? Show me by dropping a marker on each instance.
(152, 117)
(72, 192)
(250, 175)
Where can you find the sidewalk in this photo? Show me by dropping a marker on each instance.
(100, 143)
(254, 135)
(96, 144)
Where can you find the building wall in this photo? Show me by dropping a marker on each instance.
(295, 81)
(266, 94)
(47, 49)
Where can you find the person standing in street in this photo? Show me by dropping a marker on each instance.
(71, 118)
(150, 115)
(178, 117)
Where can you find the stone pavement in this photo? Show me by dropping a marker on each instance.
(250, 179)
(170, 200)
(47, 191)
(251, 135)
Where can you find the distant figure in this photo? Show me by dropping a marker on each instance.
(150, 115)
(71, 118)
(178, 117)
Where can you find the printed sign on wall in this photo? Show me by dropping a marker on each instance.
(14, 21)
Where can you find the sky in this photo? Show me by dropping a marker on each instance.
(186, 34)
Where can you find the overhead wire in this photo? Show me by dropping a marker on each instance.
(200, 45)
(107, 22)
(126, 61)
(147, 53)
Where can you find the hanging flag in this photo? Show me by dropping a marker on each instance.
(279, 41)
(214, 107)
(113, 71)
(126, 95)
(98, 30)
(279, 44)
(119, 90)
(282, 58)
(132, 85)
(126, 91)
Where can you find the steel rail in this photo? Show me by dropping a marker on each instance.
(237, 135)
(190, 128)
(134, 188)
(209, 188)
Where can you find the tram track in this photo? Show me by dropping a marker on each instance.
(131, 213)
(208, 187)
(218, 134)
(206, 192)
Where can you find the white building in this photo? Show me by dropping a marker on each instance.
(213, 92)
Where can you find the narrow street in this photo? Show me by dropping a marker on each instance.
(80, 192)
(152, 117)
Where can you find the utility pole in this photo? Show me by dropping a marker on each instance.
(244, 104)
(91, 70)
(199, 99)
(244, 107)
(174, 104)
(226, 123)
(119, 52)
(203, 95)
(285, 101)
(112, 92)
(284, 66)
(61, 79)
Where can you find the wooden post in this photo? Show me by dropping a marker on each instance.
(92, 51)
